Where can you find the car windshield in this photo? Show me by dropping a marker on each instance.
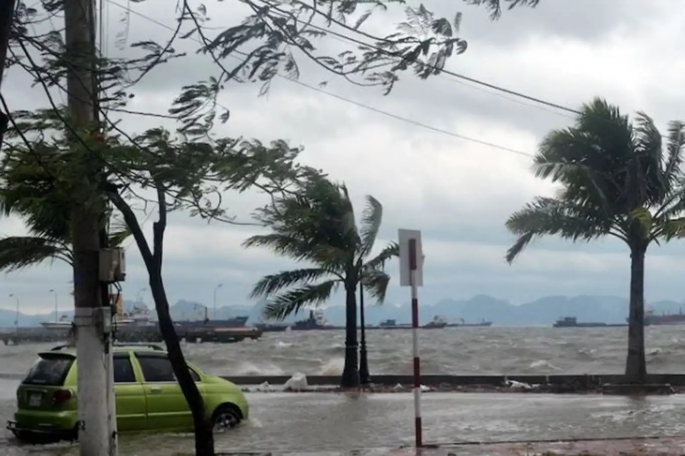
(49, 371)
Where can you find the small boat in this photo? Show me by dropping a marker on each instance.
(316, 321)
(272, 327)
(390, 324)
(62, 323)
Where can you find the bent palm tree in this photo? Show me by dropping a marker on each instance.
(317, 225)
(618, 179)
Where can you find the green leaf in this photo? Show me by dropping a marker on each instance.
(376, 283)
(272, 283)
(549, 216)
(370, 224)
(19, 252)
(390, 251)
(291, 302)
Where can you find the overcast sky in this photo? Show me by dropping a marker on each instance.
(459, 193)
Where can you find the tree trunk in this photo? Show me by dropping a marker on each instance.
(636, 366)
(364, 376)
(350, 376)
(204, 436)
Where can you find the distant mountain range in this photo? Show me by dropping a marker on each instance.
(542, 312)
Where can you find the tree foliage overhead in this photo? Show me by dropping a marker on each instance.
(316, 224)
(495, 6)
(268, 41)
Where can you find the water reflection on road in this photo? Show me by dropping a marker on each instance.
(325, 421)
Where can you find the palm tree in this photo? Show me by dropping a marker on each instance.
(316, 224)
(618, 178)
(32, 193)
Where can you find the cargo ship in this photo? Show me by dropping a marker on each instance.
(235, 322)
(483, 323)
(664, 319)
(572, 322)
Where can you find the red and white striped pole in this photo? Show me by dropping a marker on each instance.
(413, 270)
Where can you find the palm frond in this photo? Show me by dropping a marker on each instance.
(376, 282)
(378, 262)
(676, 141)
(18, 252)
(295, 247)
(270, 284)
(291, 302)
(372, 217)
(549, 216)
(118, 236)
(673, 228)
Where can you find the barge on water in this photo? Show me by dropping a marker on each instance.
(572, 322)
(137, 334)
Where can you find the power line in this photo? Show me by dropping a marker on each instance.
(347, 100)
(434, 67)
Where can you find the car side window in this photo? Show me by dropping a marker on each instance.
(156, 368)
(123, 370)
(196, 377)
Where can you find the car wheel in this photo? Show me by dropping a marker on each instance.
(226, 417)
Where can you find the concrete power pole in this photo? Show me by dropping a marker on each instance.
(92, 316)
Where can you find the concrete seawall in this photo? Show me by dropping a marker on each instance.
(466, 380)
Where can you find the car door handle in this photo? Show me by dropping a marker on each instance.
(155, 389)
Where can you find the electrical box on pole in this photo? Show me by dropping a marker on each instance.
(112, 265)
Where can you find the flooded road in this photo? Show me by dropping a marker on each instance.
(328, 422)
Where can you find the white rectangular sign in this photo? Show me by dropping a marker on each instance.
(405, 274)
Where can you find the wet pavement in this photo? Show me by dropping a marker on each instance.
(327, 423)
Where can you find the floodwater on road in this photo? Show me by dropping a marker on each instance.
(327, 421)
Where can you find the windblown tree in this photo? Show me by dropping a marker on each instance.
(154, 168)
(316, 225)
(618, 178)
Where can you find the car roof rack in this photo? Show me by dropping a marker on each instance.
(154, 347)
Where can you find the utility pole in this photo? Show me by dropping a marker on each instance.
(6, 18)
(92, 314)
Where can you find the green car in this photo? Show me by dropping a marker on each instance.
(148, 396)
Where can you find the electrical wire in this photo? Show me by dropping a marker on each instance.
(347, 100)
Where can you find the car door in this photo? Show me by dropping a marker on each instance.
(166, 406)
(129, 394)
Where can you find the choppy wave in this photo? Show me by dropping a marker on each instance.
(448, 351)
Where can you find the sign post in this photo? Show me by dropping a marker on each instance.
(411, 275)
